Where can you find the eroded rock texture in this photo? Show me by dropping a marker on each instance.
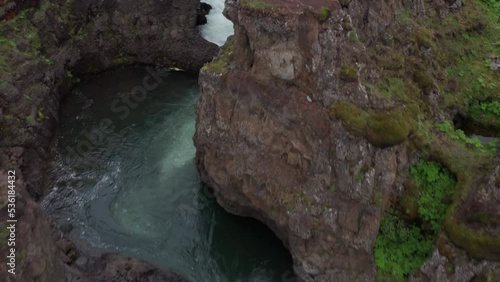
(266, 141)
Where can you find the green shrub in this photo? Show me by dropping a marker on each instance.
(324, 13)
(494, 5)
(348, 74)
(459, 135)
(488, 112)
(436, 185)
(400, 248)
(257, 5)
(221, 63)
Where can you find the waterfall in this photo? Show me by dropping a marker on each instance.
(218, 27)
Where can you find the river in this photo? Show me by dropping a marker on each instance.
(124, 180)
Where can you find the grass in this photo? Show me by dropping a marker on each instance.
(256, 5)
(348, 74)
(31, 120)
(440, 53)
(221, 63)
(487, 113)
(393, 86)
(459, 135)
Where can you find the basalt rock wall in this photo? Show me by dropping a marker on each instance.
(270, 146)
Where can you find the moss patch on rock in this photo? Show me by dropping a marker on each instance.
(382, 128)
(221, 63)
(255, 5)
(348, 74)
(324, 13)
(478, 245)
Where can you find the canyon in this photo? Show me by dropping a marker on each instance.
(311, 119)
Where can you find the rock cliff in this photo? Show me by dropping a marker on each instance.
(45, 47)
(292, 129)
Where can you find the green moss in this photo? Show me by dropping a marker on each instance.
(31, 120)
(424, 81)
(66, 11)
(450, 54)
(46, 60)
(423, 38)
(221, 63)
(459, 135)
(486, 114)
(348, 74)
(350, 114)
(408, 202)
(382, 128)
(376, 198)
(388, 128)
(256, 5)
(393, 87)
(478, 245)
(324, 13)
(353, 37)
(483, 218)
(35, 40)
(360, 177)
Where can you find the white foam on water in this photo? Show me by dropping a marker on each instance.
(218, 27)
(136, 207)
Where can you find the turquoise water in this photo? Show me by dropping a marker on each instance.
(125, 178)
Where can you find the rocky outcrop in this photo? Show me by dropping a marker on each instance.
(266, 144)
(44, 49)
(203, 10)
(272, 146)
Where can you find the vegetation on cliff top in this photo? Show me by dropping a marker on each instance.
(221, 63)
(444, 67)
(256, 5)
(449, 57)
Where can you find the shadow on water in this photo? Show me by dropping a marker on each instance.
(124, 177)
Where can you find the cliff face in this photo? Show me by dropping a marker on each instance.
(272, 146)
(266, 144)
(44, 47)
